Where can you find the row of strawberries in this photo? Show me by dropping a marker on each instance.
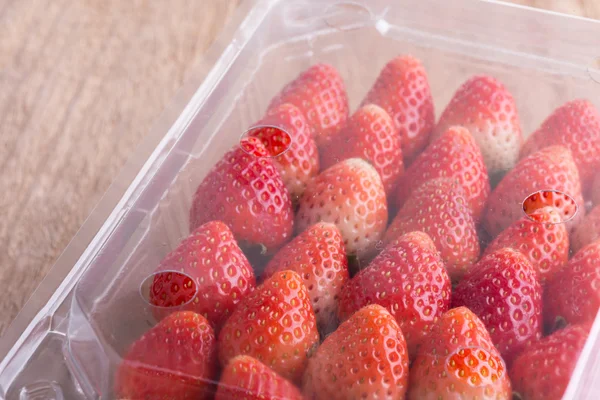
(346, 175)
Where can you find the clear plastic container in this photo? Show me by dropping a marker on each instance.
(68, 340)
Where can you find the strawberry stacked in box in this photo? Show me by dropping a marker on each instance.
(394, 268)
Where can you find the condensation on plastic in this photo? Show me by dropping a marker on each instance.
(73, 332)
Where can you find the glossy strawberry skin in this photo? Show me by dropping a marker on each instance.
(587, 231)
(575, 125)
(453, 155)
(320, 93)
(487, 109)
(298, 162)
(551, 168)
(219, 269)
(175, 359)
(249, 379)
(369, 134)
(458, 361)
(541, 238)
(402, 89)
(245, 191)
(350, 195)
(274, 324)
(408, 278)
(543, 371)
(366, 357)
(438, 208)
(503, 291)
(573, 294)
(319, 257)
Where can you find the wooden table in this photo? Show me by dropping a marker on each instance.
(81, 82)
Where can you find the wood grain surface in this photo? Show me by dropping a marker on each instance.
(81, 82)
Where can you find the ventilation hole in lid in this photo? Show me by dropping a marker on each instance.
(347, 15)
(276, 140)
(168, 291)
(564, 206)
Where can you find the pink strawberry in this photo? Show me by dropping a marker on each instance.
(222, 275)
(503, 290)
(402, 89)
(319, 257)
(365, 358)
(408, 278)
(176, 359)
(370, 134)
(551, 168)
(458, 361)
(543, 371)
(573, 294)
(249, 379)
(296, 157)
(320, 93)
(350, 194)
(439, 208)
(454, 155)
(576, 126)
(245, 191)
(487, 109)
(274, 324)
(587, 231)
(541, 238)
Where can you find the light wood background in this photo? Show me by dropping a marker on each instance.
(81, 82)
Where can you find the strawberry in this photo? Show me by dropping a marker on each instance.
(408, 278)
(551, 168)
(176, 359)
(249, 379)
(402, 89)
(576, 126)
(274, 324)
(541, 238)
(487, 109)
(543, 371)
(218, 267)
(350, 194)
(587, 231)
(503, 290)
(439, 208)
(320, 93)
(573, 294)
(458, 361)
(454, 155)
(319, 257)
(364, 358)
(370, 134)
(245, 191)
(286, 134)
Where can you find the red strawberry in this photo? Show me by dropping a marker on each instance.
(458, 361)
(453, 155)
(365, 358)
(574, 294)
(587, 231)
(274, 324)
(319, 257)
(543, 371)
(320, 93)
(402, 89)
(245, 191)
(220, 270)
(176, 359)
(249, 379)
(408, 278)
(551, 168)
(576, 126)
(350, 195)
(487, 109)
(503, 290)
(294, 151)
(541, 238)
(439, 208)
(370, 134)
